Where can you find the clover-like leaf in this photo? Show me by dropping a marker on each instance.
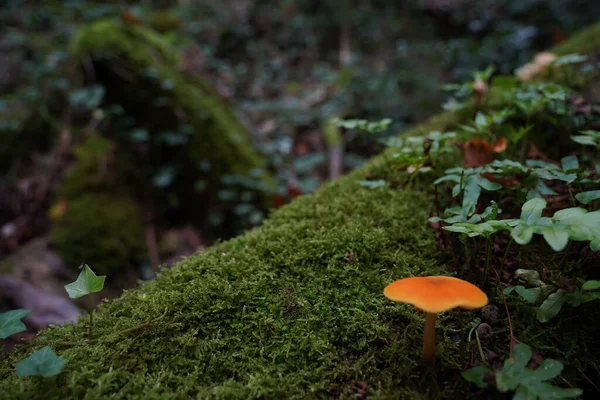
(527, 294)
(87, 282)
(43, 362)
(476, 375)
(10, 322)
(529, 384)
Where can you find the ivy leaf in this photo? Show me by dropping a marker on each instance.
(587, 197)
(41, 363)
(87, 282)
(10, 322)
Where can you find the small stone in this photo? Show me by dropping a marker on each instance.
(490, 314)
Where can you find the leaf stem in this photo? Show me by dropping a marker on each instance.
(483, 359)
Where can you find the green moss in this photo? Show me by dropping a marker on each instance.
(102, 224)
(218, 135)
(584, 42)
(294, 309)
(102, 230)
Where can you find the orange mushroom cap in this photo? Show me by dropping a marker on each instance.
(435, 294)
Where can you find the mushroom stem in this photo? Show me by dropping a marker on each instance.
(429, 338)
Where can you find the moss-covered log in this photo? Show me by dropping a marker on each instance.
(294, 309)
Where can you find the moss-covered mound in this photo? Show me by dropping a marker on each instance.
(294, 309)
(144, 74)
(166, 142)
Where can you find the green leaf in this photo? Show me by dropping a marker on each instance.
(480, 119)
(88, 97)
(552, 305)
(164, 177)
(529, 384)
(10, 322)
(587, 197)
(86, 283)
(531, 211)
(556, 236)
(591, 285)
(522, 234)
(41, 363)
(476, 375)
(585, 140)
(569, 163)
(567, 59)
(527, 294)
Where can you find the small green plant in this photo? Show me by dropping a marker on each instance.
(87, 282)
(551, 295)
(43, 362)
(10, 322)
(526, 383)
(461, 91)
(588, 138)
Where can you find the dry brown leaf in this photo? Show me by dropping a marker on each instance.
(500, 145)
(476, 153)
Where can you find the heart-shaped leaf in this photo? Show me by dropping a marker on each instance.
(87, 282)
(10, 322)
(41, 363)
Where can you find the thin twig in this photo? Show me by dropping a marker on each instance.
(589, 380)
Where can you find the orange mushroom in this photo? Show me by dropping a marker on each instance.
(435, 294)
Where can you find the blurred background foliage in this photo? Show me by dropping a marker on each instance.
(84, 132)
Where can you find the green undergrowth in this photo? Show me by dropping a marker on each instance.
(295, 309)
